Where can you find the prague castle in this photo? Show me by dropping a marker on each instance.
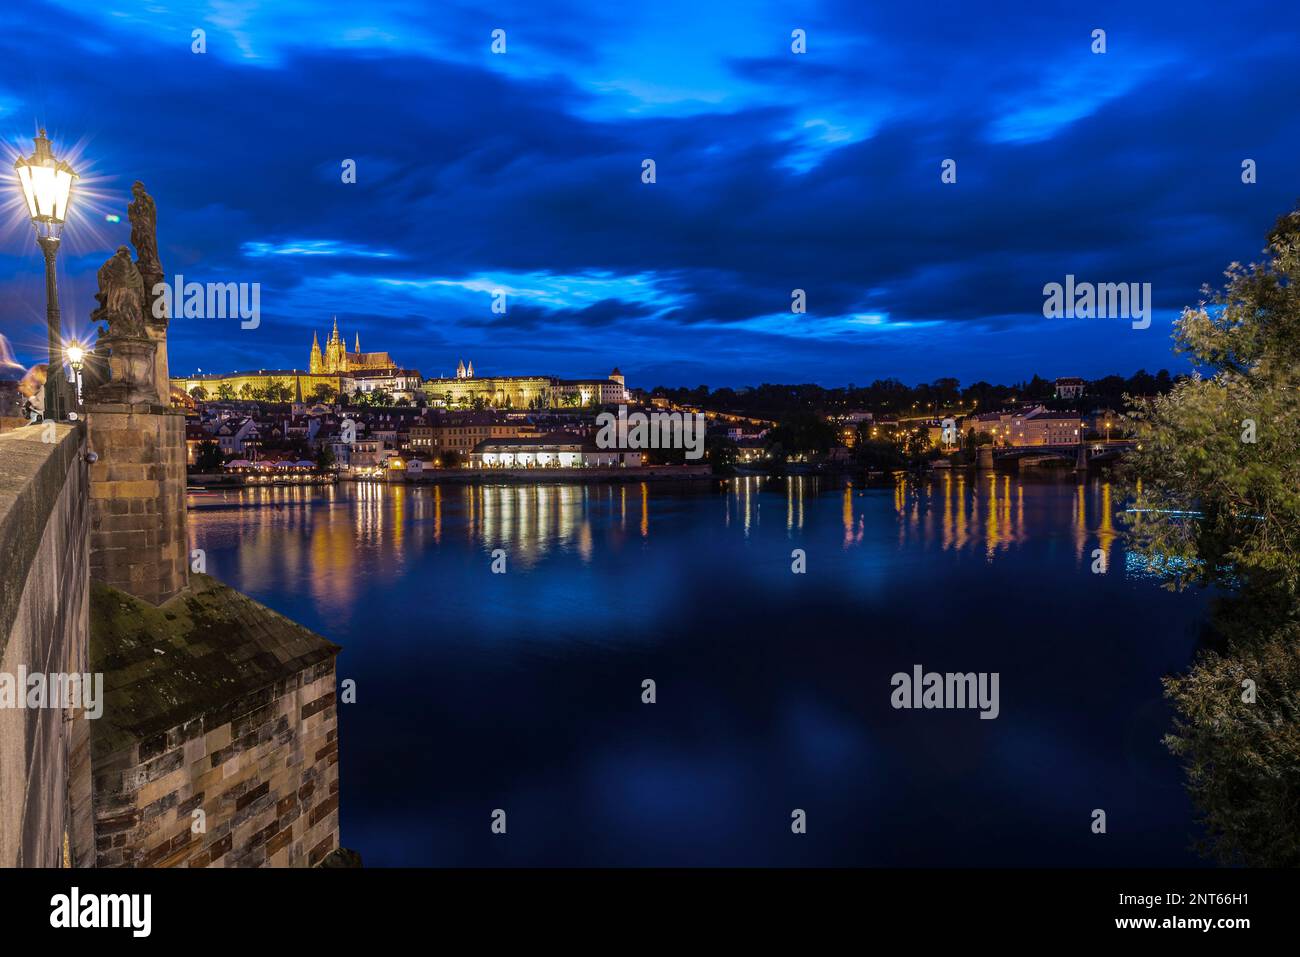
(334, 368)
(337, 370)
(336, 359)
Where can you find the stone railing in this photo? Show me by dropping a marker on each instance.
(45, 777)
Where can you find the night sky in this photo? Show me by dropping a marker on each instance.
(775, 171)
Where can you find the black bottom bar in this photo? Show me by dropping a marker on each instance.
(979, 906)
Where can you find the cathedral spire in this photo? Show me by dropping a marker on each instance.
(335, 336)
(357, 350)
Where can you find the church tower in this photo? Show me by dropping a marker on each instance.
(336, 358)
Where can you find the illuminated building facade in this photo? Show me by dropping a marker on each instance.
(1037, 426)
(244, 385)
(465, 389)
(461, 435)
(558, 450)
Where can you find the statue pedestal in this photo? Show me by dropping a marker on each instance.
(139, 543)
(162, 382)
(155, 327)
(131, 366)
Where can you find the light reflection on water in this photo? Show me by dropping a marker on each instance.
(984, 512)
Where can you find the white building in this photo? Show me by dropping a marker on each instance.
(342, 453)
(608, 391)
(399, 383)
(234, 435)
(1070, 387)
(557, 450)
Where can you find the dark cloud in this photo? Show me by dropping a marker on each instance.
(817, 172)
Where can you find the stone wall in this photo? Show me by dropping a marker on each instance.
(219, 705)
(137, 495)
(45, 807)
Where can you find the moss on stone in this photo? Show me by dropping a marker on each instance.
(193, 657)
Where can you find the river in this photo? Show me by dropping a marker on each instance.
(522, 691)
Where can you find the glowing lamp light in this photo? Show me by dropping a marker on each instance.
(75, 353)
(47, 188)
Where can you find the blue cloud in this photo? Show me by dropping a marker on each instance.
(775, 171)
(315, 247)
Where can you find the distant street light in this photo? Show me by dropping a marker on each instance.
(76, 358)
(47, 189)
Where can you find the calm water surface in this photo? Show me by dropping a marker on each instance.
(522, 691)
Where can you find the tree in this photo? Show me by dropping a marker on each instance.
(324, 394)
(1225, 444)
(1215, 485)
(721, 453)
(1242, 758)
(325, 458)
(874, 452)
(225, 391)
(916, 445)
(246, 391)
(207, 457)
(804, 432)
(670, 455)
(198, 393)
(380, 397)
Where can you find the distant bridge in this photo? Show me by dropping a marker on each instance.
(1079, 453)
(1069, 449)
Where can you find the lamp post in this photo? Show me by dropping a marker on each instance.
(76, 358)
(47, 189)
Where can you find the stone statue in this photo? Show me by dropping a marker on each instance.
(144, 237)
(121, 297)
(132, 375)
(144, 231)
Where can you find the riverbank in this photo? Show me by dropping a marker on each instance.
(654, 473)
(256, 480)
(657, 473)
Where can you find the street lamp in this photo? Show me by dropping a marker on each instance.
(76, 358)
(47, 188)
